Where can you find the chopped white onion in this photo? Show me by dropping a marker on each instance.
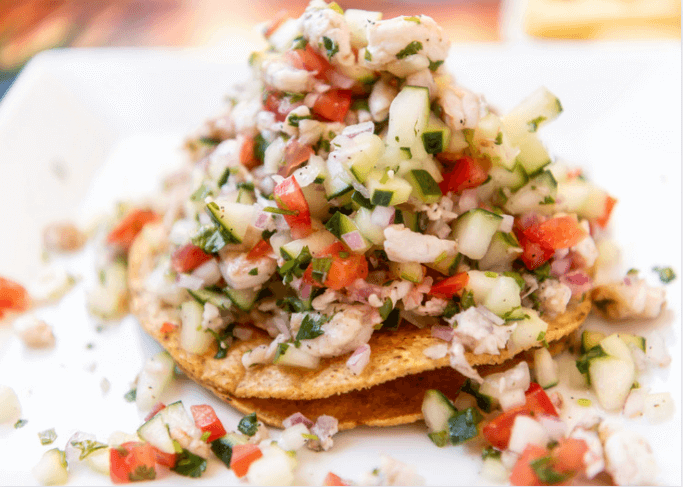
(354, 240)
(361, 128)
(292, 438)
(435, 352)
(188, 281)
(383, 216)
(359, 359)
(635, 402)
(443, 332)
(297, 418)
(506, 224)
(489, 315)
(525, 431)
(468, 200)
(208, 272)
(153, 379)
(306, 175)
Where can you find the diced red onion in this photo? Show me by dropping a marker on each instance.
(262, 219)
(325, 426)
(297, 418)
(354, 240)
(208, 272)
(359, 359)
(443, 332)
(468, 200)
(578, 281)
(361, 128)
(560, 267)
(242, 333)
(528, 219)
(189, 281)
(306, 175)
(506, 224)
(305, 291)
(489, 315)
(383, 216)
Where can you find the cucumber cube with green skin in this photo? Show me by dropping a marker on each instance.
(234, 218)
(289, 354)
(446, 263)
(474, 231)
(533, 155)
(409, 271)
(367, 150)
(529, 332)
(539, 108)
(387, 191)
(374, 233)
(504, 296)
(222, 447)
(424, 186)
(243, 299)
(611, 379)
(502, 251)
(155, 432)
(490, 140)
(480, 284)
(344, 228)
(437, 409)
(217, 298)
(436, 135)
(538, 195)
(316, 242)
(408, 117)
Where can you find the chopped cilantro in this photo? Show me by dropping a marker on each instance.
(407, 152)
(294, 267)
(666, 274)
(344, 255)
(386, 308)
(544, 469)
(254, 271)
(142, 472)
(87, 447)
(467, 300)
(309, 436)
(47, 436)
(321, 267)
(533, 124)
(434, 65)
(189, 464)
(280, 211)
(223, 340)
(248, 185)
(131, 395)
(451, 309)
(368, 56)
(548, 200)
(499, 138)
(393, 320)
(205, 436)
(299, 43)
(223, 179)
(542, 273)
(311, 327)
(585, 359)
(260, 146)
(210, 141)
(293, 304)
(413, 48)
(248, 425)
(293, 119)
(331, 47)
(20, 423)
(266, 234)
(211, 238)
(360, 105)
(490, 452)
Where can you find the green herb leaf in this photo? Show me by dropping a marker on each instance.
(543, 467)
(253, 272)
(292, 304)
(131, 395)
(542, 273)
(584, 360)
(311, 327)
(412, 48)
(386, 308)
(142, 472)
(189, 464)
(260, 146)
(439, 438)
(548, 200)
(87, 447)
(299, 43)
(484, 402)
(47, 436)
(210, 238)
(434, 65)
(407, 151)
(321, 267)
(533, 124)
(248, 424)
(462, 426)
(210, 141)
(368, 56)
(499, 138)
(330, 46)
(205, 436)
(294, 267)
(392, 321)
(666, 274)
(490, 452)
(467, 300)
(293, 119)
(280, 211)
(20, 423)
(451, 309)
(413, 19)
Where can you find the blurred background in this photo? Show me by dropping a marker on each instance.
(30, 26)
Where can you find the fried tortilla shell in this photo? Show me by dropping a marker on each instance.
(395, 354)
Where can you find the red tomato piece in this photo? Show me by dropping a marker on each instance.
(206, 420)
(450, 286)
(333, 105)
(345, 268)
(309, 60)
(522, 473)
(499, 429)
(467, 173)
(168, 327)
(569, 455)
(272, 104)
(242, 457)
(259, 250)
(609, 206)
(13, 297)
(131, 462)
(333, 479)
(295, 156)
(155, 409)
(128, 228)
(166, 459)
(188, 257)
(247, 157)
(557, 233)
(534, 254)
(289, 197)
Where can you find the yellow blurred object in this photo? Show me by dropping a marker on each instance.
(604, 19)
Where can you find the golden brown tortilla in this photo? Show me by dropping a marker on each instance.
(388, 391)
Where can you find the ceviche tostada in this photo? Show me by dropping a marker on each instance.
(357, 239)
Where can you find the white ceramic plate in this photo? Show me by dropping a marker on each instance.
(81, 130)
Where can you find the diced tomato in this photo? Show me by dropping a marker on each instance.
(534, 255)
(288, 196)
(272, 104)
(155, 409)
(333, 105)
(333, 479)
(296, 155)
(247, 157)
(346, 267)
(560, 232)
(467, 173)
(309, 60)
(568, 455)
(168, 327)
(166, 459)
(13, 297)
(206, 420)
(498, 430)
(242, 457)
(450, 286)
(522, 473)
(188, 257)
(131, 462)
(609, 206)
(259, 250)
(128, 228)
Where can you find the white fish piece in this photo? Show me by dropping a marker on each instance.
(403, 245)
(236, 268)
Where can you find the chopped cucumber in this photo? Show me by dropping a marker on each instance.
(345, 229)
(636, 340)
(244, 299)
(489, 139)
(537, 195)
(502, 251)
(366, 150)
(235, 218)
(504, 296)
(436, 135)
(246, 196)
(175, 416)
(437, 409)
(590, 339)
(410, 271)
(51, 468)
(613, 345)
(316, 242)
(473, 232)
(217, 298)
(529, 332)
(533, 112)
(612, 380)
(595, 204)
(155, 432)
(408, 117)
(387, 191)
(193, 336)
(545, 368)
(480, 284)
(374, 233)
(573, 195)
(446, 263)
(289, 354)
(424, 186)
(533, 155)
(153, 379)
(338, 180)
(222, 447)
